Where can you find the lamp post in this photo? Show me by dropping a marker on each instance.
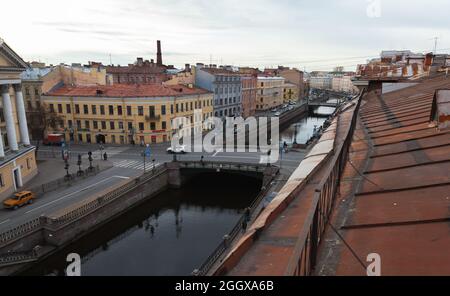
(90, 160)
(80, 172)
(153, 161)
(66, 167)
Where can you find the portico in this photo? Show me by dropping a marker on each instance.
(17, 160)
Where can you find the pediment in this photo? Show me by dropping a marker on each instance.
(9, 59)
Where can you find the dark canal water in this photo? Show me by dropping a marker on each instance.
(171, 234)
(303, 129)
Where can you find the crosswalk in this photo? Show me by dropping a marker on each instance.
(135, 164)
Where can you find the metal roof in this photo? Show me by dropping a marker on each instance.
(395, 195)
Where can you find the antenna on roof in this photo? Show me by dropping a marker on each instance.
(110, 59)
(435, 43)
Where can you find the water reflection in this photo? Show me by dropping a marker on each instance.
(171, 234)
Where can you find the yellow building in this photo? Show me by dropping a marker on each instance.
(269, 93)
(125, 113)
(290, 92)
(17, 156)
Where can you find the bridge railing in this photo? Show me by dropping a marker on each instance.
(304, 258)
(223, 165)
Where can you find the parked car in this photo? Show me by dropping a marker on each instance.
(277, 114)
(274, 110)
(177, 150)
(19, 199)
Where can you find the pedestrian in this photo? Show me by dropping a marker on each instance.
(105, 156)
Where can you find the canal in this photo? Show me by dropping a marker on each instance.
(303, 129)
(171, 234)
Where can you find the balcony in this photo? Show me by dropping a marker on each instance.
(152, 117)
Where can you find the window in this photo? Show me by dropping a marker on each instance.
(78, 123)
(171, 109)
(111, 110)
(163, 125)
(85, 109)
(163, 109)
(36, 91)
(121, 125)
(77, 109)
(176, 108)
(191, 105)
(87, 124)
(112, 125)
(104, 125)
(152, 126)
(182, 107)
(27, 91)
(69, 123)
(102, 110)
(140, 111)
(68, 109)
(94, 109)
(52, 108)
(141, 126)
(152, 111)
(119, 110)
(95, 124)
(60, 108)
(130, 125)
(80, 137)
(128, 110)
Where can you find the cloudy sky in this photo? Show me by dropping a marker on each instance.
(307, 34)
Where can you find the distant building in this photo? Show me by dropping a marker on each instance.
(125, 113)
(249, 90)
(291, 76)
(321, 80)
(17, 159)
(226, 86)
(270, 92)
(185, 77)
(290, 92)
(142, 71)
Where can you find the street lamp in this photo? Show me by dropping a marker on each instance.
(66, 167)
(80, 172)
(90, 160)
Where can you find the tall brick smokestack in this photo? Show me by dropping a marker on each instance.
(159, 54)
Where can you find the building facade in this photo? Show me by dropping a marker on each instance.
(269, 92)
(290, 92)
(295, 77)
(17, 156)
(249, 90)
(125, 114)
(226, 86)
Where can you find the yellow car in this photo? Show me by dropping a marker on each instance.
(19, 199)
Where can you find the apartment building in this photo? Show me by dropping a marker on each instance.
(125, 113)
(269, 92)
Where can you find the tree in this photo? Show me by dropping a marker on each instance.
(40, 119)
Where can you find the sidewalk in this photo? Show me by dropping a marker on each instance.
(53, 169)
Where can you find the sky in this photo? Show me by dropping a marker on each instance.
(306, 34)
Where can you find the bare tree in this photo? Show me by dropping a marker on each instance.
(40, 119)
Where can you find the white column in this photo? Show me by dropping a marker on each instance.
(8, 115)
(20, 108)
(2, 150)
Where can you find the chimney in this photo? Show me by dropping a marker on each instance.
(159, 54)
(140, 62)
(187, 68)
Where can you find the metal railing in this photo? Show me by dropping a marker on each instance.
(305, 254)
(232, 166)
(226, 243)
(65, 181)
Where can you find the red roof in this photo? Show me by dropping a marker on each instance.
(127, 91)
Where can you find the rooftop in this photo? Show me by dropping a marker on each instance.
(399, 208)
(219, 71)
(127, 91)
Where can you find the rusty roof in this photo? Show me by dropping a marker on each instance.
(395, 192)
(127, 91)
(393, 198)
